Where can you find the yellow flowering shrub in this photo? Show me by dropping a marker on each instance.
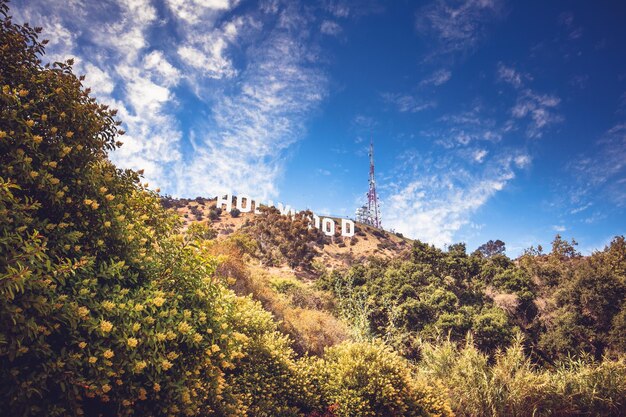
(105, 307)
(371, 380)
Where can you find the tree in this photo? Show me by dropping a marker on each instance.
(492, 248)
(563, 249)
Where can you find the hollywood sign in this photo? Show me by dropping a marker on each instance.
(245, 204)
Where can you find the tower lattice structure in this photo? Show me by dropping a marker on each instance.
(370, 212)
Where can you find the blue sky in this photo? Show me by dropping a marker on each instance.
(491, 119)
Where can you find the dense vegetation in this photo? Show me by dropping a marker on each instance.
(105, 306)
(108, 306)
(564, 304)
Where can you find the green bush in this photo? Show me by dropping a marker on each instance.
(370, 379)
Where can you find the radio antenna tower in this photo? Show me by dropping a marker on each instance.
(370, 214)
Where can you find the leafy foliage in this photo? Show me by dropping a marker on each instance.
(281, 238)
(369, 379)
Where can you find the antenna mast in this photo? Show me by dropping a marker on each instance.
(370, 213)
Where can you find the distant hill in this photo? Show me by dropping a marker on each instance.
(337, 252)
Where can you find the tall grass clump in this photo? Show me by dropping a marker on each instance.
(509, 384)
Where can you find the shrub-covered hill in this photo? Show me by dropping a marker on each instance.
(110, 306)
(336, 251)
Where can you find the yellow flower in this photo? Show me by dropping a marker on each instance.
(37, 139)
(140, 365)
(157, 387)
(83, 311)
(54, 130)
(106, 388)
(132, 342)
(166, 364)
(109, 197)
(108, 354)
(94, 205)
(158, 301)
(69, 134)
(197, 338)
(34, 174)
(93, 359)
(82, 345)
(108, 305)
(106, 326)
(23, 93)
(142, 394)
(44, 117)
(160, 336)
(103, 190)
(172, 355)
(184, 327)
(215, 348)
(3, 134)
(136, 327)
(30, 123)
(138, 307)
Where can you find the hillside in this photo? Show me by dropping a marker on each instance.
(337, 252)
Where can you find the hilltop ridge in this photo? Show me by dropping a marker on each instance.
(337, 252)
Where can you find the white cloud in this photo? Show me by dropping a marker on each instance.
(522, 161)
(100, 82)
(601, 172)
(436, 206)
(406, 103)
(559, 228)
(161, 68)
(254, 126)
(437, 78)
(458, 25)
(329, 27)
(239, 134)
(465, 128)
(199, 11)
(511, 76)
(212, 63)
(566, 20)
(540, 108)
(479, 155)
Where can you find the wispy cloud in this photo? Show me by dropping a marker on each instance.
(458, 25)
(407, 103)
(328, 27)
(511, 76)
(466, 128)
(254, 72)
(435, 206)
(601, 173)
(258, 122)
(437, 78)
(540, 109)
(566, 21)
